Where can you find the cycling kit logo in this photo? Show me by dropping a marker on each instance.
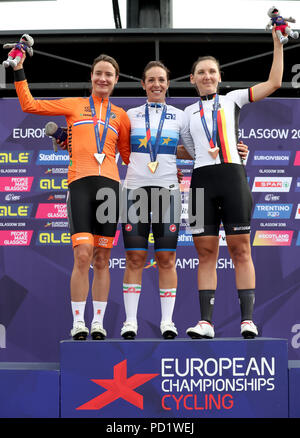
(120, 386)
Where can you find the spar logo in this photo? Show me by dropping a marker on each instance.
(119, 387)
(273, 238)
(15, 184)
(271, 184)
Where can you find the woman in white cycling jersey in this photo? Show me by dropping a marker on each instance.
(151, 187)
(213, 124)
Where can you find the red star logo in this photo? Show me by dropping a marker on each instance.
(119, 387)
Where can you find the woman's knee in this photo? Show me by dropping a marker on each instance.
(165, 260)
(83, 256)
(101, 258)
(240, 251)
(136, 260)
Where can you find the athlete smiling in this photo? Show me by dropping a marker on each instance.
(213, 123)
(96, 129)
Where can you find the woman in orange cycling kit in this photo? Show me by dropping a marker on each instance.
(97, 129)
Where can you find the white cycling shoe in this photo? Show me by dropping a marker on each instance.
(129, 330)
(79, 331)
(203, 329)
(168, 330)
(248, 329)
(98, 333)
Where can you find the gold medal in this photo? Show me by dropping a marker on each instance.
(153, 166)
(214, 152)
(99, 157)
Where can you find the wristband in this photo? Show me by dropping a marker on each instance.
(19, 75)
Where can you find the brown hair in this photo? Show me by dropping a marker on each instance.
(205, 58)
(109, 59)
(155, 64)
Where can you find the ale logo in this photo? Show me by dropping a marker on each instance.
(120, 386)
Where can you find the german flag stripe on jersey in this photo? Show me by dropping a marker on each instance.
(223, 138)
(251, 97)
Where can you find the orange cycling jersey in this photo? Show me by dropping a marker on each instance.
(81, 135)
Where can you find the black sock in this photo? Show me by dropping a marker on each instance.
(207, 300)
(247, 298)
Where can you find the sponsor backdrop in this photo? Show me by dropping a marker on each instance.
(36, 255)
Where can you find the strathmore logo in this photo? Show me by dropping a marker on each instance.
(120, 386)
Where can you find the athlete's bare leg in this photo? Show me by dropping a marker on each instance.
(207, 248)
(239, 248)
(101, 279)
(166, 269)
(83, 255)
(135, 262)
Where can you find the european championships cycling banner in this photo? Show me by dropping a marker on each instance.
(36, 257)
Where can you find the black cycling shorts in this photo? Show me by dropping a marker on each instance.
(227, 199)
(93, 210)
(150, 206)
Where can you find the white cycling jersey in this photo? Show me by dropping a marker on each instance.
(228, 123)
(175, 126)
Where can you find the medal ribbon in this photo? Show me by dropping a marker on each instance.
(211, 139)
(153, 151)
(100, 143)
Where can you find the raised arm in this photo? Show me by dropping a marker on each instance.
(264, 89)
(53, 107)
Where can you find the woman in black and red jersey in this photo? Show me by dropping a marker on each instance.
(96, 129)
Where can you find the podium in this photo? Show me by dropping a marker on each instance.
(181, 378)
(156, 379)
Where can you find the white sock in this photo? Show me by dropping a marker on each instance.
(78, 308)
(167, 302)
(99, 311)
(131, 296)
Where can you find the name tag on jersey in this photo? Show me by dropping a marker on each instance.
(171, 116)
